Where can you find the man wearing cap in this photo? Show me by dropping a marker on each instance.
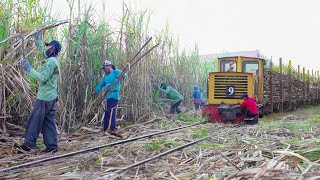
(250, 107)
(112, 98)
(42, 117)
(173, 96)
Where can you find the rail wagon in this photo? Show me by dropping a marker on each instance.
(235, 76)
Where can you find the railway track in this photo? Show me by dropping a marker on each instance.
(2, 171)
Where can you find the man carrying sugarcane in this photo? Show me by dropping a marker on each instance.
(42, 117)
(172, 96)
(112, 98)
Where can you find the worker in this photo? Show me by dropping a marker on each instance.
(231, 66)
(197, 97)
(250, 109)
(173, 96)
(112, 98)
(42, 117)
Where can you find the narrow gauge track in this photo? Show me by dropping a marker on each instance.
(160, 155)
(94, 148)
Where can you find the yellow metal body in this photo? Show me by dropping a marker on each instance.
(237, 75)
(219, 81)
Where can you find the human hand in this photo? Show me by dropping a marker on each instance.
(26, 65)
(120, 76)
(235, 106)
(37, 35)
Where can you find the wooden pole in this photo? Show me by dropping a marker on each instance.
(312, 85)
(318, 85)
(308, 87)
(297, 93)
(281, 86)
(298, 72)
(304, 85)
(271, 89)
(290, 87)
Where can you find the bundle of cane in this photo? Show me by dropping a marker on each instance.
(16, 93)
(23, 39)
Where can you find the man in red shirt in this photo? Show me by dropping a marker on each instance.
(250, 105)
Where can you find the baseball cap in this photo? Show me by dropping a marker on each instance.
(55, 44)
(244, 95)
(106, 63)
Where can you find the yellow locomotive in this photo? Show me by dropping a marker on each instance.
(235, 76)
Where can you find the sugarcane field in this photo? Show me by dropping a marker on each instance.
(159, 89)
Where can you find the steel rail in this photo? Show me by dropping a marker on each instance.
(94, 148)
(160, 155)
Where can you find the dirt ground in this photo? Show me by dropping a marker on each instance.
(281, 146)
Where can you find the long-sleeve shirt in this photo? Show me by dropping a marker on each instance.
(107, 81)
(250, 104)
(196, 94)
(172, 94)
(47, 76)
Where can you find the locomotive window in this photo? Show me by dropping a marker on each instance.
(251, 67)
(228, 66)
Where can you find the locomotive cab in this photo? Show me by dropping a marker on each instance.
(235, 76)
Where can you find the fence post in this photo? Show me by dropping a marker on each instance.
(271, 89)
(308, 87)
(281, 86)
(317, 81)
(298, 92)
(312, 85)
(304, 86)
(290, 87)
(298, 73)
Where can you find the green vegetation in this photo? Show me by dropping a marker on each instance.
(86, 43)
(161, 144)
(200, 132)
(211, 146)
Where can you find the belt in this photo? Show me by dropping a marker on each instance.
(115, 91)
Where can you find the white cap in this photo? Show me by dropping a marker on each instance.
(106, 63)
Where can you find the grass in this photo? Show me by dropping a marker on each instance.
(186, 118)
(106, 150)
(211, 146)
(161, 144)
(200, 132)
(305, 121)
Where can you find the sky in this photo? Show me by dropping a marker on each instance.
(289, 29)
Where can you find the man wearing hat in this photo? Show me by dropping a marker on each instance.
(42, 117)
(112, 98)
(250, 107)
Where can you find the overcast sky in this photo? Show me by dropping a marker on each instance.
(279, 28)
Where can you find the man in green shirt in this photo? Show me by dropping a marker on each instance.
(173, 96)
(42, 117)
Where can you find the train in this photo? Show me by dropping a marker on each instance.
(236, 75)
